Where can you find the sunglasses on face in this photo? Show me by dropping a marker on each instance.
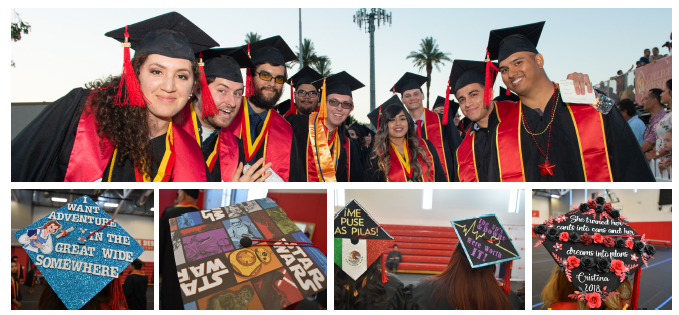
(335, 103)
(267, 77)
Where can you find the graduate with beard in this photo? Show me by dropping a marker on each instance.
(213, 106)
(542, 138)
(305, 98)
(265, 133)
(329, 155)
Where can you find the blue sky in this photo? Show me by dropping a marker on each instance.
(67, 47)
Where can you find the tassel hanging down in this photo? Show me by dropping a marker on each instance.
(446, 105)
(293, 107)
(250, 79)
(634, 300)
(323, 112)
(507, 286)
(209, 108)
(129, 90)
(490, 67)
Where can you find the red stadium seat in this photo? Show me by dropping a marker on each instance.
(424, 249)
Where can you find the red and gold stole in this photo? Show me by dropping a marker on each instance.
(189, 122)
(400, 170)
(432, 124)
(508, 142)
(466, 159)
(323, 151)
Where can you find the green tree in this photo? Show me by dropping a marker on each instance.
(18, 28)
(252, 37)
(323, 66)
(428, 57)
(309, 56)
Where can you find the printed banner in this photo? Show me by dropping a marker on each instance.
(146, 244)
(216, 272)
(651, 76)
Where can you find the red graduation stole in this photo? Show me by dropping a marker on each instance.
(89, 159)
(190, 122)
(323, 151)
(397, 173)
(276, 131)
(589, 129)
(432, 125)
(466, 159)
(347, 149)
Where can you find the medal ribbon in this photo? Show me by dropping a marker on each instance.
(251, 147)
(326, 152)
(589, 128)
(466, 159)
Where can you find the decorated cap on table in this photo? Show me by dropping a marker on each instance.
(359, 240)
(596, 248)
(244, 256)
(79, 249)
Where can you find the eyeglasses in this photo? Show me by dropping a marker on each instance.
(335, 103)
(303, 93)
(267, 77)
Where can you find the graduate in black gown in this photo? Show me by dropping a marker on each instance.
(339, 156)
(399, 155)
(361, 134)
(558, 142)
(264, 132)
(393, 259)
(306, 96)
(121, 128)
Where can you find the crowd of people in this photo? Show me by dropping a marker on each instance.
(182, 111)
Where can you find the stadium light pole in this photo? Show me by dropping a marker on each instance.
(367, 21)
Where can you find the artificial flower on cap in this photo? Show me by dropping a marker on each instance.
(486, 242)
(359, 240)
(244, 256)
(597, 249)
(79, 250)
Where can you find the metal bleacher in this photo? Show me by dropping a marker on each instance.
(424, 249)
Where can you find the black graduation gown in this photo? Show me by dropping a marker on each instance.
(41, 151)
(297, 165)
(300, 128)
(628, 163)
(374, 174)
(481, 149)
(395, 262)
(209, 145)
(123, 171)
(451, 140)
(170, 292)
(423, 296)
(395, 296)
(135, 287)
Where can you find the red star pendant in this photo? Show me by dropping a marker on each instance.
(546, 168)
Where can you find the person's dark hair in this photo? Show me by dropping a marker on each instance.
(468, 288)
(380, 153)
(13, 257)
(669, 84)
(372, 293)
(656, 48)
(627, 106)
(15, 276)
(361, 140)
(136, 264)
(125, 126)
(395, 245)
(49, 300)
(655, 93)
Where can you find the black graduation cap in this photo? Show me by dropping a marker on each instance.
(374, 115)
(409, 81)
(484, 240)
(272, 50)
(340, 83)
(466, 122)
(440, 101)
(595, 246)
(506, 97)
(170, 34)
(304, 76)
(465, 72)
(226, 63)
(504, 42)
(283, 107)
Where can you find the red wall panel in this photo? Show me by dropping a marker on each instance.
(167, 196)
(20, 252)
(310, 208)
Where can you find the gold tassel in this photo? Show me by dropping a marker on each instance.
(324, 106)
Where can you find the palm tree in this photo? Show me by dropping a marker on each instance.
(427, 57)
(309, 57)
(323, 66)
(252, 37)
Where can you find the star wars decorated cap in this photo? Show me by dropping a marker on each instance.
(502, 43)
(273, 50)
(484, 240)
(373, 116)
(171, 35)
(359, 239)
(226, 63)
(595, 246)
(244, 256)
(409, 81)
(77, 252)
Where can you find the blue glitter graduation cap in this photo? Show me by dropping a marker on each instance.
(75, 266)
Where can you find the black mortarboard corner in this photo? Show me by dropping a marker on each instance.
(601, 260)
(409, 81)
(283, 107)
(452, 107)
(376, 114)
(359, 240)
(486, 242)
(358, 128)
(440, 101)
(340, 83)
(465, 72)
(220, 63)
(506, 95)
(170, 35)
(273, 50)
(304, 76)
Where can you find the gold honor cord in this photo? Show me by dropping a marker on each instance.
(492, 238)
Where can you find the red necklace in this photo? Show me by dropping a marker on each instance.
(547, 168)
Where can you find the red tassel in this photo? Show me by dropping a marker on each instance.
(118, 301)
(446, 105)
(505, 281)
(293, 108)
(379, 115)
(508, 92)
(209, 106)
(489, 79)
(634, 301)
(129, 84)
(384, 269)
(250, 79)
(393, 90)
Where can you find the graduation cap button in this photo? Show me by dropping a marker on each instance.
(245, 242)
